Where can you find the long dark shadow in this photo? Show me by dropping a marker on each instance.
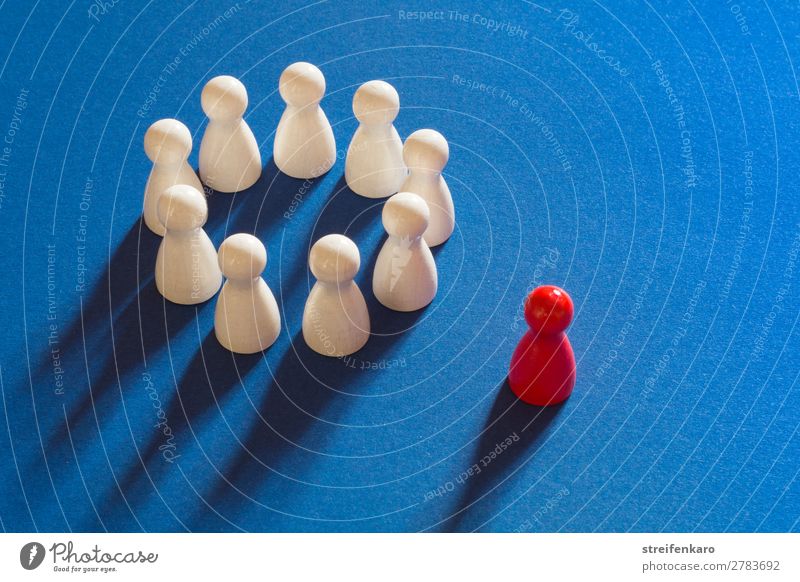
(509, 436)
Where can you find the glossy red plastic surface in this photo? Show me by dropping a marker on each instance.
(542, 368)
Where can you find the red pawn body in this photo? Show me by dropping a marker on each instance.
(543, 365)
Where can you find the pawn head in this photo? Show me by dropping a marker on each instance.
(376, 102)
(182, 207)
(406, 215)
(548, 309)
(167, 141)
(334, 259)
(301, 84)
(242, 256)
(224, 98)
(426, 149)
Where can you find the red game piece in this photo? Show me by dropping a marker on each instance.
(543, 365)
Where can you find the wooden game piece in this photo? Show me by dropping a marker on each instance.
(167, 144)
(187, 271)
(426, 153)
(335, 319)
(229, 156)
(247, 319)
(405, 277)
(374, 165)
(304, 145)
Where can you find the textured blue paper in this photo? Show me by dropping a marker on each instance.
(643, 157)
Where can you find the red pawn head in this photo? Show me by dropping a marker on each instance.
(543, 365)
(548, 309)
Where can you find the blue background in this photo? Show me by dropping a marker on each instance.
(641, 156)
